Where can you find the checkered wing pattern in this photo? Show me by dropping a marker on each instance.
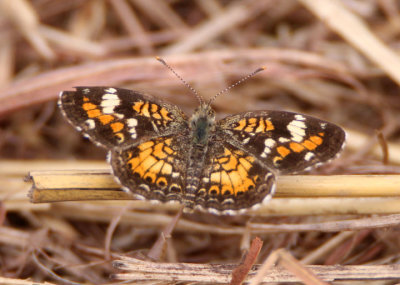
(154, 169)
(232, 181)
(284, 141)
(116, 118)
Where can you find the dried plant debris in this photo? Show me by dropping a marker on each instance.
(333, 59)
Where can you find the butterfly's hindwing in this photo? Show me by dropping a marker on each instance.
(285, 141)
(154, 169)
(116, 117)
(232, 180)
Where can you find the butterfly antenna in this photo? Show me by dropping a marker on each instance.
(236, 83)
(199, 98)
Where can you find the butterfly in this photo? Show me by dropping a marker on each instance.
(228, 166)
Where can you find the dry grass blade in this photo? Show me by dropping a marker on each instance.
(357, 140)
(72, 43)
(347, 24)
(51, 273)
(132, 25)
(7, 61)
(156, 251)
(235, 14)
(281, 256)
(160, 13)
(384, 145)
(294, 266)
(26, 19)
(221, 273)
(46, 87)
(12, 281)
(335, 226)
(325, 248)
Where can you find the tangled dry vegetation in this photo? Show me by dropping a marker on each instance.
(333, 59)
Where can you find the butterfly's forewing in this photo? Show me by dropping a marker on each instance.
(284, 141)
(116, 117)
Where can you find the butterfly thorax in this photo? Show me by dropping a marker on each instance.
(202, 124)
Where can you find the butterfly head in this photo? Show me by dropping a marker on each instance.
(202, 123)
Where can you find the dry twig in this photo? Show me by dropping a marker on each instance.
(221, 273)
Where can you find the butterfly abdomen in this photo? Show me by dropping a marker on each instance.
(194, 172)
